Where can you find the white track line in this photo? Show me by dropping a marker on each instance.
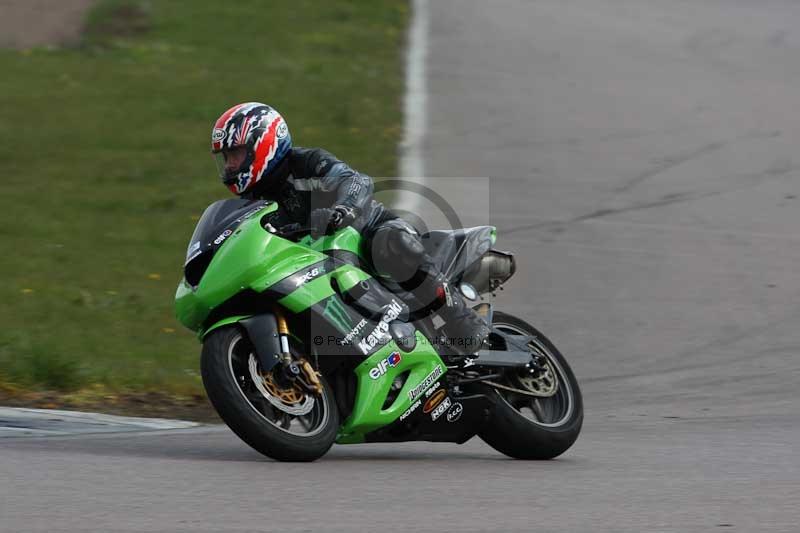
(415, 104)
(39, 422)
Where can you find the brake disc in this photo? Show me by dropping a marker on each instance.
(541, 382)
(291, 401)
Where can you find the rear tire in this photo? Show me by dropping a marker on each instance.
(225, 384)
(521, 437)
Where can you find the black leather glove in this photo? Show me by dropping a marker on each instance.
(320, 221)
(347, 215)
(327, 220)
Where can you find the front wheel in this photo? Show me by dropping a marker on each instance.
(537, 416)
(284, 423)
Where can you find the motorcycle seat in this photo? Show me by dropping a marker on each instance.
(454, 251)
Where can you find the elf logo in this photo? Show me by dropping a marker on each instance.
(224, 235)
(392, 361)
(434, 400)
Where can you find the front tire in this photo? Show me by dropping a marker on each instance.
(525, 427)
(272, 427)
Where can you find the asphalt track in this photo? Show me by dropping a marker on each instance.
(642, 163)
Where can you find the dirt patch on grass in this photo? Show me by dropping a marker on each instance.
(28, 23)
(31, 23)
(119, 19)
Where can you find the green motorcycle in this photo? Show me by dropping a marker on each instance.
(303, 347)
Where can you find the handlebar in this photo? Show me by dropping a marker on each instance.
(293, 230)
(296, 230)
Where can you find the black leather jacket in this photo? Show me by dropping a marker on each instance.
(313, 178)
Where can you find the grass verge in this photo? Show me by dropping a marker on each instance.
(106, 169)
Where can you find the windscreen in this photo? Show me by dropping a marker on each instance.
(219, 220)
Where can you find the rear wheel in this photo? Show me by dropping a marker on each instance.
(538, 414)
(284, 422)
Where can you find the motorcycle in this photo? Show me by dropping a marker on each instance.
(303, 347)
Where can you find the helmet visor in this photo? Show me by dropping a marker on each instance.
(230, 162)
(219, 159)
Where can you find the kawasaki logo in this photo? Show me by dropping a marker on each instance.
(381, 330)
(426, 383)
(392, 361)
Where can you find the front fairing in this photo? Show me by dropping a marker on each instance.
(243, 255)
(218, 222)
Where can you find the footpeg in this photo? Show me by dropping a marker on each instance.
(485, 311)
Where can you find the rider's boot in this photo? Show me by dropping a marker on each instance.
(464, 330)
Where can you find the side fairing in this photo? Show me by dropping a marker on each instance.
(389, 367)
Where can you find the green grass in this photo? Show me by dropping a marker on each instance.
(105, 156)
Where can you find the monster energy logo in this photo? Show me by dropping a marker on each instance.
(337, 314)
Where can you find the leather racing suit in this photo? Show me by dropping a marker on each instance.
(312, 178)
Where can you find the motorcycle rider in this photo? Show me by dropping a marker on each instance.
(256, 160)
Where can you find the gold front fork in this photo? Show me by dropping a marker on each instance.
(283, 332)
(311, 375)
